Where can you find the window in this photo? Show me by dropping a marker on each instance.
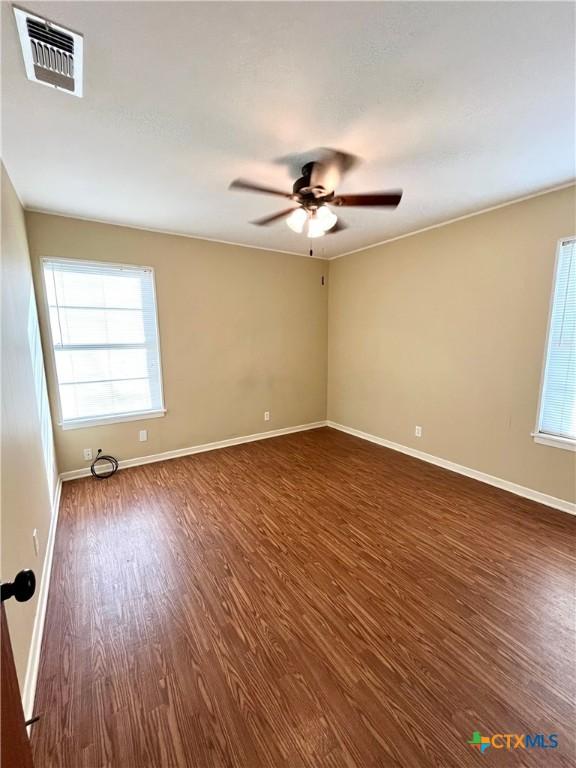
(105, 341)
(557, 413)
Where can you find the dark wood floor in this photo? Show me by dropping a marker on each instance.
(310, 600)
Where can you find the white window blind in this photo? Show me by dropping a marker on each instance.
(558, 399)
(105, 339)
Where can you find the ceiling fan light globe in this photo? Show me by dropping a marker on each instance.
(326, 217)
(297, 220)
(315, 228)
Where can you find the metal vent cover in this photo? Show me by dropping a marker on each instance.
(53, 55)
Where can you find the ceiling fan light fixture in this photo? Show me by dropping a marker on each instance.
(297, 220)
(313, 194)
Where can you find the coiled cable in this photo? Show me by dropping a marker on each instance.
(101, 472)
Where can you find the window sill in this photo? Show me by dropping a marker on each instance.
(554, 441)
(116, 419)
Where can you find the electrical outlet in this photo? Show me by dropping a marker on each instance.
(35, 541)
(87, 454)
(266, 415)
(143, 435)
(418, 431)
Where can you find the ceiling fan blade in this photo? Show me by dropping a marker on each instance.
(274, 217)
(330, 167)
(388, 199)
(249, 186)
(338, 227)
(342, 161)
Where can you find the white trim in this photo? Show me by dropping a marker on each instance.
(85, 471)
(29, 688)
(540, 437)
(45, 212)
(97, 263)
(546, 340)
(506, 485)
(99, 421)
(296, 253)
(458, 218)
(116, 418)
(555, 441)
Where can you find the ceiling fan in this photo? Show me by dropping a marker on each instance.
(314, 192)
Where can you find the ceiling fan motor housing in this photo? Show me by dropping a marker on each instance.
(309, 187)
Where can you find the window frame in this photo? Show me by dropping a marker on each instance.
(116, 418)
(556, 441)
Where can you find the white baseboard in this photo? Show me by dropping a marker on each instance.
(29, 689)
(37, 632)
(85, 471)
(506, 485)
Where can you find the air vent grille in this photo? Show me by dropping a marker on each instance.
(52, 37)
(52, 54)
(51, 49)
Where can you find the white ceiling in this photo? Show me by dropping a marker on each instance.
(464, 105)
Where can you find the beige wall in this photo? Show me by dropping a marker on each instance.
(241, 331)
(446, 329)
(25, 497)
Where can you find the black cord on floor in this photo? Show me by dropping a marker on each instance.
(32, 720)
(102, 460)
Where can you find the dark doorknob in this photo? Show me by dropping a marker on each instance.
(22, 588)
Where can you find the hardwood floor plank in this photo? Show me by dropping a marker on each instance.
(309, 600)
